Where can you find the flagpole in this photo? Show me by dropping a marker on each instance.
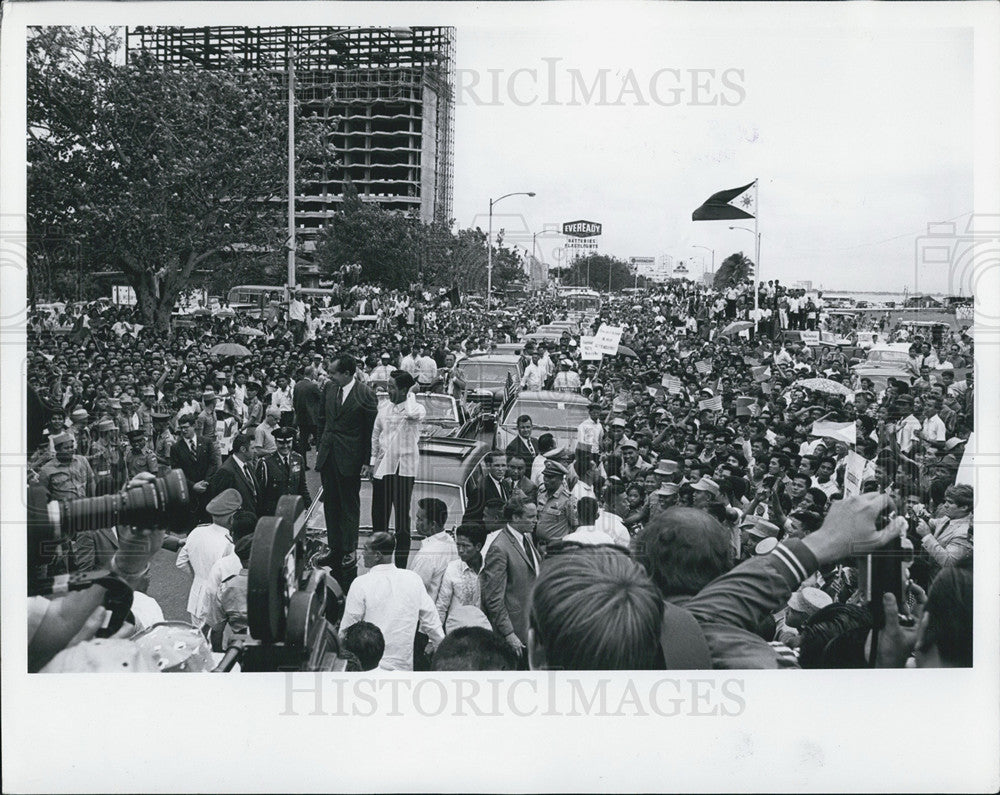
(756, 270)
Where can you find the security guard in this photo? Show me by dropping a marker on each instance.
(164, 440)
(139, 458)
(282, 472)
(106, 458)
(556, 517)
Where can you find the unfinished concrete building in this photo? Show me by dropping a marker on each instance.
(387, 92)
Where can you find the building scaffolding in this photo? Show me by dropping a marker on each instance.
(387, 93)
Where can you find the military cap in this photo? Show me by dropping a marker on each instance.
(554, 468)
(284, 434)
(224, 503)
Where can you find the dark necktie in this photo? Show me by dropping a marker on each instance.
(527, 551)
(251, 479)
(338, 399)
(531, 447)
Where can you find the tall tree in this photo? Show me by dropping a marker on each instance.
(597, 268)
(156, 171)
(734, 268)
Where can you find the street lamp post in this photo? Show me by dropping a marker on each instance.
(399, 33)
(713, 258)
(489, 245)
(756, 272)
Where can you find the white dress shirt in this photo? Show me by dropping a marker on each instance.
(612, 525)
(533, 378)
(430, 561)
(205, 545)
(224, 568)
(395, 601)
(933, 429)
(395, 437)
(426, 370)
(588, 535)
(590, 432)
(459, 586)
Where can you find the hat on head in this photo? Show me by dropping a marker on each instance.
(618, 422)
(105, 425)
(666, 466)
(284, 434)
(765, 546)
(273, 411)
(225, 503)
(384, 356)
(148, 390)
(809, 600)
(62, 438)
(706, 484)
(760, 528)
(565, 363)
(554, 468)
(159, 416)
(953, 442)
(208, 395)
(79, 415)
(630, 444)
(667, 490)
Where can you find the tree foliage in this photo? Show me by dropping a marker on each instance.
(395, 250)
(736, 268)
(593, 271)
(152, 171)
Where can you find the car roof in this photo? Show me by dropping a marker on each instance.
(490, 358)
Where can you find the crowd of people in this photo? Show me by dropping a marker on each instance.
(710, 514)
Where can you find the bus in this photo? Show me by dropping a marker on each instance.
(256, 296)
(581, 299)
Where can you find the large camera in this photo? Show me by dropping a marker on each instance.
(292, 610)
(158, 503)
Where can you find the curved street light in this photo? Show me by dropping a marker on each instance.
(489, 244)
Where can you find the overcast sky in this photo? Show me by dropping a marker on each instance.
(859, 139)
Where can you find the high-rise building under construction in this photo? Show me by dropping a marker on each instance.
(388, 94)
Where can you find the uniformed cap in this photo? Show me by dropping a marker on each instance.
(760, 528)
(79, 415)
(160, 415)
(284, 434)
(385, 357)
(114, 403)
(618, 422)
(208, 394)
(629, 443)
(554, 468)
(225, 503)
(667, 490)
(148, 391)
(565, 363)
(62, 438)
(105, 425)
(136, 435)
(953, 442)
(765, 546)
(125, 400)
(809, 600)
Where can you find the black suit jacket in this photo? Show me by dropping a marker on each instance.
(306, 400)
(486, 491)
(520, 449)
(345, 433)
(230, 476)
(196, 466)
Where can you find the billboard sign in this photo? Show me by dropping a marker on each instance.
(581, 228)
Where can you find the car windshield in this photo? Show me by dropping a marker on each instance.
(549, 414)
(888, 356)
(475, 373)
(439, 407)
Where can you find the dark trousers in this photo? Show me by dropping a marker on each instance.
(287, 419)
(391, 495)
(306, 433)
(342, 510)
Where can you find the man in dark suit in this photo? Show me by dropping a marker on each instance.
(94, 549)
(523, 446)
(306, 397)
(237, 472)
(282, 472)
(508, 574)
(194, 457)
(345, 428)
(492, 486)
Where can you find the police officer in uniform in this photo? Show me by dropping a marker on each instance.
(139, 458)
(282, 472)
(106, 459)
(556, 517)
(163, 440)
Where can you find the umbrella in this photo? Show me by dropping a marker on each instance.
(624, 350)
(735, 328)
(201, 311)
(827, 385)
(225, 312)
(250, 332)
(229, 349)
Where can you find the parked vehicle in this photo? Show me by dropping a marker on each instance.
(558, 413)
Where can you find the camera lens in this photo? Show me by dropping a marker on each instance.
(152, 504)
